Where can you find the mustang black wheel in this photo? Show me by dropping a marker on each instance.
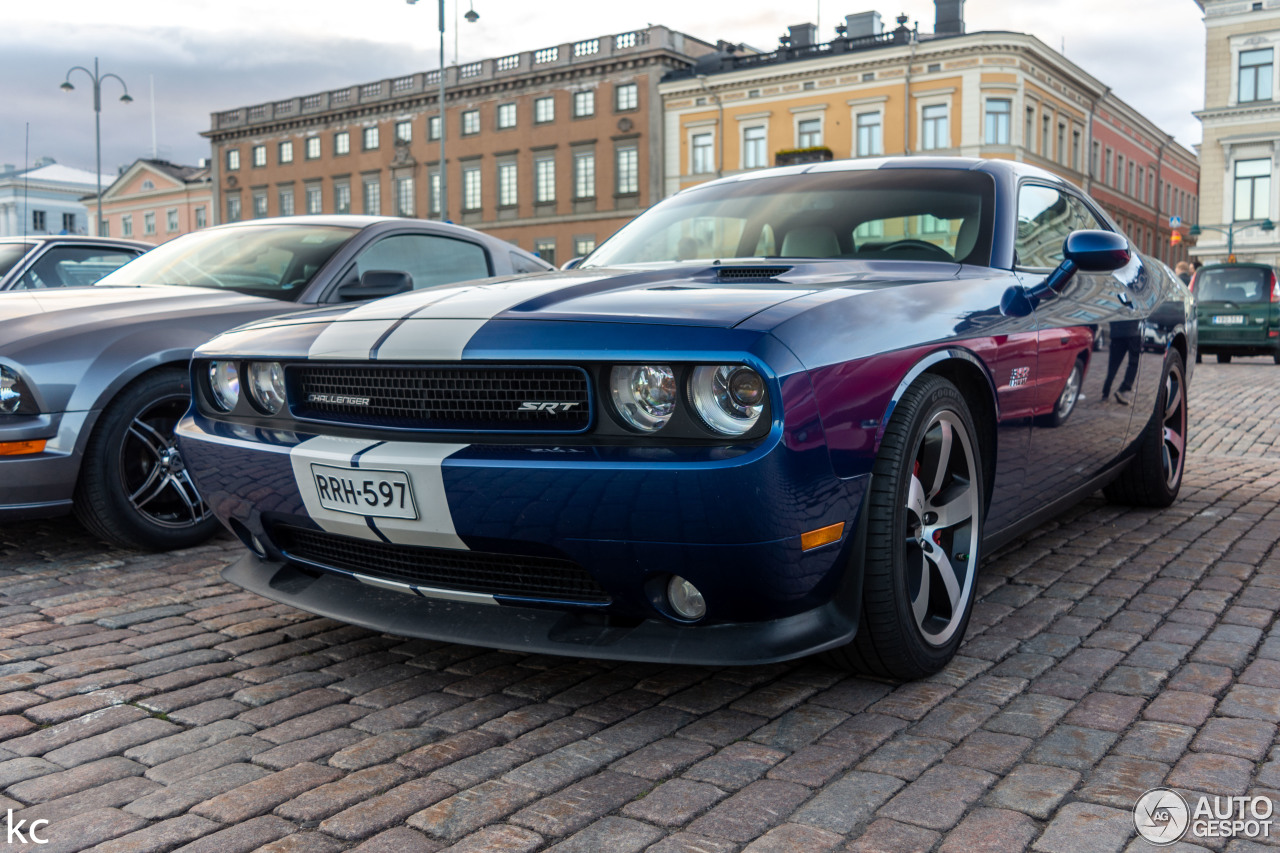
(1154, 476)
(924, 524)
(134, 489)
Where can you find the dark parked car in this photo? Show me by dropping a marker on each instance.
(1239, 310)
(92, 380)
(34, 263)
(780, 413)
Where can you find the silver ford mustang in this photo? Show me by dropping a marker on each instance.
(93, 380)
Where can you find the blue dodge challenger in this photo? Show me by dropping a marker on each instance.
(781, 413)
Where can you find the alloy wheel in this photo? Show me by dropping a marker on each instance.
(152, 472)
(1174, 425)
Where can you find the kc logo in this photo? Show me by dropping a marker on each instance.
(14, 832)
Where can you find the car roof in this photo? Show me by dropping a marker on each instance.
(77, 238)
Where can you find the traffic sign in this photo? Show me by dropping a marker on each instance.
(1175, 221)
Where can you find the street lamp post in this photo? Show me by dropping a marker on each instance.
(472, 16)
(1230, 231)
(98, 80)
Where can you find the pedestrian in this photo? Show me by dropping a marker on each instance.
(1126, 339)
(1183, 269)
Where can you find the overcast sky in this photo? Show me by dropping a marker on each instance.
(203, 56)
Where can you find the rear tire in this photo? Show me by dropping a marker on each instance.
(923, 528)
(1224, 358)
(1276, 357)
(134, 489)
(1154, 476)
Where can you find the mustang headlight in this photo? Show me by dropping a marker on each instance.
(644, 394)
(224, 381)
(15, 397)
(266, 385)
(728, 397)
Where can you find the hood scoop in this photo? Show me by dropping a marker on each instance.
(749, 273)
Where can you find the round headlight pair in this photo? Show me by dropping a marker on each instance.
(729, 398)
(266, 385)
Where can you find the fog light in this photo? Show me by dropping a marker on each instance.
(685, 600)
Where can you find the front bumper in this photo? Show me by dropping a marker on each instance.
(42, 485)
(729, 521)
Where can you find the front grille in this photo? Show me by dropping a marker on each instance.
(443, 397)
(750, 273)
(465, 571)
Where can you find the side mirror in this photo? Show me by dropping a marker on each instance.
(375, 284)
(1090, 251)
(572, 263)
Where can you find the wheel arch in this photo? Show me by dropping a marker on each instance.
(152, 363)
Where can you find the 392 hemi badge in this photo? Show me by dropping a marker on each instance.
(1019, 376)
(337, 399)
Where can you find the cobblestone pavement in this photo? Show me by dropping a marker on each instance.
(146, 705)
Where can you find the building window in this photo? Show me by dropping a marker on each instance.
(285, 152)
(471, 188)
(341, 197)
(583, 246)
(341, 143)
(69, 223)
(470, 122)
(202, 218)
(315, 200)
(626, 96)
(149, 222)
(259, 156)
(259, 205)
(1029, 132)
(544, 110)
(1062, 143)
(545, 249)
(171, 219)
(934, 127)
(508, 186)
(313, 148)
(544, 180)
(809, 133)
(104, 228)
(1121, 184)
(233, 213)
(1046, 122)
(584, 104)
(372, 196)
(404, 131)
(148, 184)
(1075, 150)
(754, 155)
(1255, 75)
(1253, 189)
(628, 170)
(285, 198)
(404, 197)
(998, 111)
(584, 174)
(233, 160)
(370, 138)
(702, 159)
(37, 220)
(506, 116)
(433, 128)
(433, 193)
(1111, 176)
(870, 135)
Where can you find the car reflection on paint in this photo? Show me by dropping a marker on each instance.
(781, 413)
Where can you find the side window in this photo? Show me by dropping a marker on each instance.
(524, 263)
(429, 259)
(1045, 217)
(73, 266)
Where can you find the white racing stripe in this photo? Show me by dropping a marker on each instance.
(426, 591)
(328, 450)
(422, 462)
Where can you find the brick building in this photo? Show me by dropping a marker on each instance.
(551, 149)
(155, 201)
(873, 92)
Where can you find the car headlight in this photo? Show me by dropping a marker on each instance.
(266, 385)
(224, 381)
(15, 397)
(728, 397)
(644, 394)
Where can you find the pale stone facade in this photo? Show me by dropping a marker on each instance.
(1240, 154)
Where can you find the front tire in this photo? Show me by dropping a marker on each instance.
(924, 519)
(1154, 476)
(134, 489)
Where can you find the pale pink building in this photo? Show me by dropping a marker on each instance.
(155, 201)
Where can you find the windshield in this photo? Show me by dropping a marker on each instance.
(1234, 284)
(275, 261)
(10, 254)
(879, 214)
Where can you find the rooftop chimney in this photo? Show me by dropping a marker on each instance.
(950, 20)
(862, 25)
(803, 35)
